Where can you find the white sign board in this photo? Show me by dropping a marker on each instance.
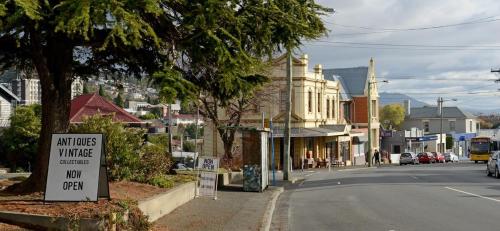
(208, 176)
(207, 183)
(74, 166)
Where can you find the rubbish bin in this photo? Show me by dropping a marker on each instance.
(252, 179)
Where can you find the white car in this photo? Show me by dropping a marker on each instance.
(450, 157)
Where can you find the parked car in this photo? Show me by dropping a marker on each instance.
(182, 166)
(408, 158)
(438, 157)
(450, 157)
(493, 163)
(426, 158)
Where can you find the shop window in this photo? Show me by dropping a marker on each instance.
(426, 126)
(452, 125)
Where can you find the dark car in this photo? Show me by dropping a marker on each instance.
(425, 158)
(439, 157)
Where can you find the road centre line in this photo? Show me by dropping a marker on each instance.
(472, 194)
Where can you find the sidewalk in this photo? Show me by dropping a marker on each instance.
(233, 210)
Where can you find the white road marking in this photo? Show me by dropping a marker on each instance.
(414, 177)
(309, 174)
(354, 169)
(338, 182)
(472, 194)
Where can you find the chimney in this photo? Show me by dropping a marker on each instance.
(317, 69)
(407, 105)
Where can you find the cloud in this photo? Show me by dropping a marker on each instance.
(462, 65)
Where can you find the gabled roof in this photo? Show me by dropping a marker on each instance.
(343, 93)
(432, 112)
(353, 79)
(7, 94)
(91, 104)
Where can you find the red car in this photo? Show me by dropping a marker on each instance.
(426, 158)
(439, 157)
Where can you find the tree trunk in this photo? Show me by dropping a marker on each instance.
(54, 71)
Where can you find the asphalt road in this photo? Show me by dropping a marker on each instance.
(423, 197)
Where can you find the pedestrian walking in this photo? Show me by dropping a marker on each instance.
(367, 158)
(377, 157)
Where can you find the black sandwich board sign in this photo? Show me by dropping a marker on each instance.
(77, 168)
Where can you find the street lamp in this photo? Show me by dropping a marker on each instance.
(370, 119)
(441, 112)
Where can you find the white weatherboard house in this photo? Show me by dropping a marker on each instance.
(7, 103)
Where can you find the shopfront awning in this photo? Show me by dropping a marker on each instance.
(307, 132)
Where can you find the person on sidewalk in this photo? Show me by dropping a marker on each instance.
(367, 159)
(377, 157)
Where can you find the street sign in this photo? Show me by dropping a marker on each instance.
(385, 133)
(420, 139)
(76, 165)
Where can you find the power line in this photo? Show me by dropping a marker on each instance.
(404, 48)
(389, 30)
(411, 45)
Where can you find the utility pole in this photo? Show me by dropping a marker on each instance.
(286, 156)
(440, 105)
(170, 148)
(369, 122)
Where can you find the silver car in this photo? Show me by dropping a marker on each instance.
(493, 164)
(408, 158)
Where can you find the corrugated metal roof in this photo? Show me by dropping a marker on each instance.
(354, 78)
(342, 91)
(432, 112)
(8, 95)
(91, 104)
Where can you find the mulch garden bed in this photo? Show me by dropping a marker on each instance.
(34, 204)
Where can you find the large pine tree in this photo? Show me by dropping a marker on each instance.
(212, 47)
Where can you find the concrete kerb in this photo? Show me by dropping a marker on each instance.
(268, 215)
(157, 206)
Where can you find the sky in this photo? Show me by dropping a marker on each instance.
(425, 48)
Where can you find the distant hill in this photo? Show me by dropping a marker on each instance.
(392, 98)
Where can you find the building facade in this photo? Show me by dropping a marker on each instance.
(8, 101)
(28, 90)
(319, 131)
(354, 97)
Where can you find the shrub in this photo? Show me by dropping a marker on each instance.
(160, 140)
(188, 146)
(123, 145)
(148, 116)
(19, 142)
(155, 161)
(161, 181)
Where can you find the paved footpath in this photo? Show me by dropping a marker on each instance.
(233, 210)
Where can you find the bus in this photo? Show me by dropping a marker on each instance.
(480, 149)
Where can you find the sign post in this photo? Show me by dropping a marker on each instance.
(208, 168)
(77, 170)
